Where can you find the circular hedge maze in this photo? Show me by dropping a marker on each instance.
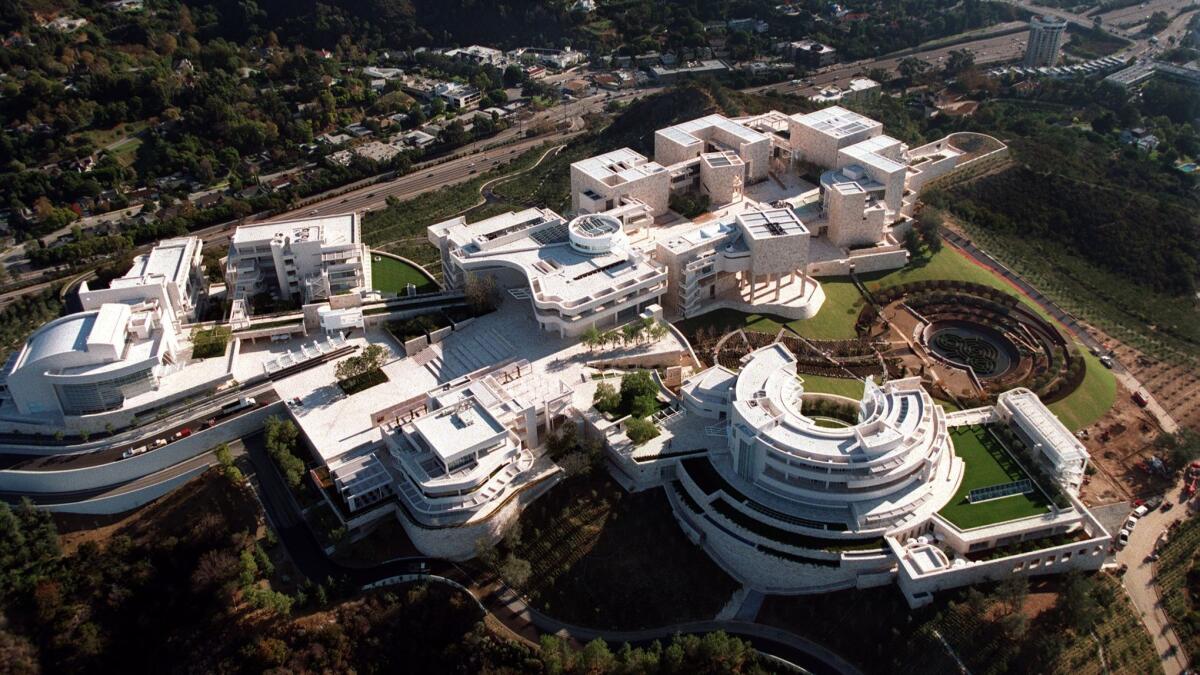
(975, 334)
(985, 351)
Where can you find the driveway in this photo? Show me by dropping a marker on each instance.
(1139, 582)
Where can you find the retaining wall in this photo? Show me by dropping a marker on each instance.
(122, 471)
(126, 501)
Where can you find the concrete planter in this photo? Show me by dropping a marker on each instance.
(415, 345)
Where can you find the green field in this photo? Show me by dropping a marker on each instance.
(1091, 400)
(819, 384)
(389, 275)
(988, 463)
(836, 318)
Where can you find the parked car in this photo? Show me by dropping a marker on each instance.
(1131, 523)
(1154, 502)
(1141, 511)
(1123, 538)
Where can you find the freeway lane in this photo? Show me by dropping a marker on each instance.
(988, 49)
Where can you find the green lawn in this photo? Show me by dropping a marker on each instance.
(836, 318)
(393, 276)
(988, 463)
(721, 321)
(848, 387)
(1091, 400)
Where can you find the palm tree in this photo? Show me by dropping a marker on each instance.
(591, 337)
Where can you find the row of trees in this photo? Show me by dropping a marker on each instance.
(645, 329)
(282, 437)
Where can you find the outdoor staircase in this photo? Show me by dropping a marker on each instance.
(462, 353)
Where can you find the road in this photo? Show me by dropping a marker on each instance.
(996, 44)
(1139, 582)
(423, 177)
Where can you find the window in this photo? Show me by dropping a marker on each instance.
(96, 397)
(745, 466)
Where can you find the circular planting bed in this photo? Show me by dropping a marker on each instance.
(980, 340)
(985, 350)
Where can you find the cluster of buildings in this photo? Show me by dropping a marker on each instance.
(119, 356)
(767, 234)
(790, 502)
(451, 442)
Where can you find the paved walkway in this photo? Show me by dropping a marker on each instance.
(1139, 582)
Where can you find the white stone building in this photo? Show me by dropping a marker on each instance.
(171, 275)
(90, 362)
(304, 260)
(575, 274)
(792, 503)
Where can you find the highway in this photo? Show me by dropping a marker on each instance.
(996, 45)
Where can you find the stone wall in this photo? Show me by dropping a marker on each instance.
(125, 470)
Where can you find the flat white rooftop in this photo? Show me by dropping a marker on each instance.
(771, 223)
(617, 167)
(690, 132)
(170, 260)
(837, 121)
(460, 429)
(328, 230)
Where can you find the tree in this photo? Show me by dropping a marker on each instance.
(480, 292)
(912, 242)
(515, 571)
(1012, 593)
(590, 337)
(639, 430)
(606, 399)
(911, 68)
(960, 60)
(1181, 447)
(1076, 603)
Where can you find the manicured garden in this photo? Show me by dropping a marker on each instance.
(988, 463)
(837, 318)
(389, 275)
(210, 342)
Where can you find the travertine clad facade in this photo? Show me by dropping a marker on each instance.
(788, 503)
